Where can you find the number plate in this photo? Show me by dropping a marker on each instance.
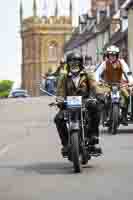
(74, 101)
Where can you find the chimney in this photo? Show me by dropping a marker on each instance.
(98, 15)
(124, 19)
(90, 8)
(108, 11)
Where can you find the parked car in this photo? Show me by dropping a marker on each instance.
(16, 93)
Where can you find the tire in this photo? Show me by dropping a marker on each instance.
(115, 119)
(75, 152)
(85, 157)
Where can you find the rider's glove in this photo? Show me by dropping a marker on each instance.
(60, 102)
(59, 99)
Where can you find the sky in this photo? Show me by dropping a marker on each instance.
(10, 42)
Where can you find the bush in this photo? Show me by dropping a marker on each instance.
(5, 87)
(4, 94)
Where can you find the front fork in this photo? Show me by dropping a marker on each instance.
(130, 104)
(72, 126)
(82, 128)
(76, 125)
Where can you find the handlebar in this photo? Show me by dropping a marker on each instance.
(89, 100)
(52, 104)
(120, 84)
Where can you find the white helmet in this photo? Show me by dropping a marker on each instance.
(113, 50)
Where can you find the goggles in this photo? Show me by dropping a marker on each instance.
(112, 53)
(74, 67)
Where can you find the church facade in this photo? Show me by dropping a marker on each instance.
(43, 40)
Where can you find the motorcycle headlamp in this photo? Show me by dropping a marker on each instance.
(114, 89)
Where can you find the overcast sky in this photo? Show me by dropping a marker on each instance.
(10, 43)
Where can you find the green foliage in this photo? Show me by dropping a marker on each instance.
(5, 87)
(4, 94)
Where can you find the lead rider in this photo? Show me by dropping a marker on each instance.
(77, 83)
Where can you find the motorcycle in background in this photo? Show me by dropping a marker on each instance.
(113, 106)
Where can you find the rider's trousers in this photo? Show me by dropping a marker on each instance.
(62, 129)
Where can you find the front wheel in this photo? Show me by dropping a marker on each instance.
(75, 151)
(115, 118)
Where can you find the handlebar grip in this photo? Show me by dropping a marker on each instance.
(52, 104)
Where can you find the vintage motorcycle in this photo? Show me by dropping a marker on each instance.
(113, 106)
(76, 116)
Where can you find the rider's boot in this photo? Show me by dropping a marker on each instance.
(95, 146)
(64, 151)
(94, 140)
(96, 150)
(107, 122)
(107, 118)
(124, 117)
(65, 148)
(62, 131)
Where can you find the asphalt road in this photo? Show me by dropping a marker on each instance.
(31, 167)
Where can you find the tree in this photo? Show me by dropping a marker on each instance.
(5, 87)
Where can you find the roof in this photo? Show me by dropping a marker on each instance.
(117, 37)
(79, 39)
(127, 4)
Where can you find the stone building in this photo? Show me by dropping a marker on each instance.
(130, 34)
(43, 40)
(90, 39)
(110, 25)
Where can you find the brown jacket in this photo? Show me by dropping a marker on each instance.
(66, 86)
(113, 72)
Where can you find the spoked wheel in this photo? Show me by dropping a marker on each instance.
(115, 119)
(75, 152)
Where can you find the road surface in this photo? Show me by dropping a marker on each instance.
(31, 167)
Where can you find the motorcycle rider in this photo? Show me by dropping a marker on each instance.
(76, 83)
(112, 70)
(88, 66)
(61, 68)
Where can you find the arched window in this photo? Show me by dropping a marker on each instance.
(53, 51)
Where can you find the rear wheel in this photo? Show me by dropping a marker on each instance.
(75, 152)
(85, 157)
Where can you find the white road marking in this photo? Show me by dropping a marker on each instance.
(8, 147)
(4, 150)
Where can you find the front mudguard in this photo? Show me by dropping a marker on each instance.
(74, 126)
